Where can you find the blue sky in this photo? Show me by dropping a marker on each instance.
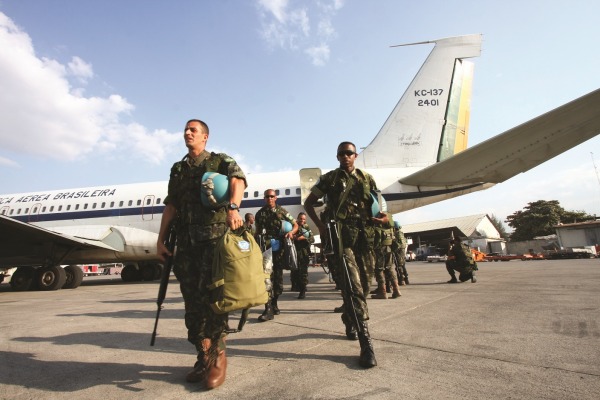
(97, 92)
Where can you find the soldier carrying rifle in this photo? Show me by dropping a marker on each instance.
(349, 200)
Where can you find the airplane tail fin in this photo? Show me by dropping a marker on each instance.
(430, 122)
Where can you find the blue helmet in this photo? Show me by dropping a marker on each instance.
(375, 207)
(215, 190)
(397, 225)
(286, 227)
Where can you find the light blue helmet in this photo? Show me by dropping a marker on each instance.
(397, 225)
(376, 208)
(286, 227)
(215, 190)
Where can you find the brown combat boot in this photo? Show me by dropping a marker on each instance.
(216, 374)
(380, 292)
(396, 290)
(202, 365)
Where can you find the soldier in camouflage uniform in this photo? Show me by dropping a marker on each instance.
(198, 227)
(460, 258)
(302, 240)
(348, 192)
(399, 249)
(268, 229)
(384, 268)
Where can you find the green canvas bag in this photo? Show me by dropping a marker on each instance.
(238, 278)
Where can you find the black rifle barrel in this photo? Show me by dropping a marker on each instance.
(164, 280)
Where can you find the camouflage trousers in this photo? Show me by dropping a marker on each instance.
(352, 290)
(193, 269)
(384, 266)
(300, 276)
(277, 274)
(465, 270)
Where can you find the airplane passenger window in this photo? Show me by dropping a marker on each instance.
(35, 209)
(120, 204)
(26, 210)
(94, 205)
(130, 203)
(245, 195)
(287, 191)
(112, 204)
(297, 190)
(158, 200)
(11, 212)
(256, 194)
(139, 202)
(85, 206)
(59, 208)
(51, 208)
(277, 192)
(3, 212)
(76, 206)
(148, 202)
(68, 207)
(103, 205)
(19, 211)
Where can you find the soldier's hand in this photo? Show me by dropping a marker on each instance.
(234, 220)
(162, 252)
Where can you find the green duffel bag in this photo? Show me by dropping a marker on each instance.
(238, 278)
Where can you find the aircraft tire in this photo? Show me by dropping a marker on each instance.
(131, 273)
(51, 278)
(158, 270)
(74, 277)
(22, 279)
(148, 272)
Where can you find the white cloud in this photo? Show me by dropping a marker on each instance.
(44, 115)
(287, 26)
(80, 69)
(319, 55)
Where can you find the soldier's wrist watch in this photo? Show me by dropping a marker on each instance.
(233, 206)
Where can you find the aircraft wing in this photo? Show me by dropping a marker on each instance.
(25, 244)
(518, 149)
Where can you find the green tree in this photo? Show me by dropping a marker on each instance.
(539, 217)
(499, 227)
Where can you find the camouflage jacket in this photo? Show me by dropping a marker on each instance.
(356, 204)
(462, 254)
(269, 220)
(305, 231)
(196, 223)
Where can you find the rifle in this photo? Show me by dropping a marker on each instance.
(335, 243)
(164, 280)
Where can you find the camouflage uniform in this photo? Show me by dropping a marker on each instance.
(461, 260)
(384, 267)
(353, 216)
(399, 249)
(198, 229)
(303, 252)
(269, 220)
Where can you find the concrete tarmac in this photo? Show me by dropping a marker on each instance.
(525, 330)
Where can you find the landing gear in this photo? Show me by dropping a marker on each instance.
(22, 279)
(51, 278)
(74, 277)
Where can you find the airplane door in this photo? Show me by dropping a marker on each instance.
(34, 212)
(148, 208)
(308, 178)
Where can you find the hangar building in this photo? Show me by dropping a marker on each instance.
(432, 238)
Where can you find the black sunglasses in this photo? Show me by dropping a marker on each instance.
(270, 196)
(348, 153)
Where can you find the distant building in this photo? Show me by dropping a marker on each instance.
(578, 235)
(476, 230)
